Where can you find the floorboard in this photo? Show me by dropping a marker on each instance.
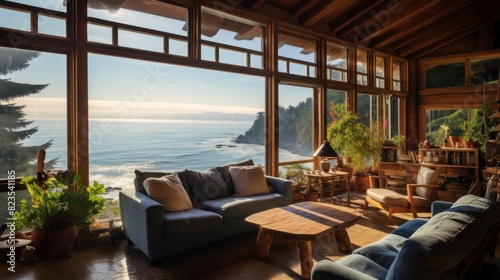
(229, 259)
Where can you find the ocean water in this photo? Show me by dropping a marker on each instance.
(118, 147)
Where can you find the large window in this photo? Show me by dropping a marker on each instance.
(333, 98)
(32, 114)
(445, 75)
(336, 63)
(379, 72)
(296, 56)
(153, 116)
(295, 123)
(162, 32)
(231, 40)
(362, 67)
(368, 108)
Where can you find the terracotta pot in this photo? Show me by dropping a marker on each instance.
(54, 244)
(467, 144)
(361, 183)
(310, 196)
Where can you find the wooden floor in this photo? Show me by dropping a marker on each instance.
(229, 259)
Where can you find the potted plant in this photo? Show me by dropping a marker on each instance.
(58, 209)
(312, 189)
(467, 137)
(295, 173)
(348, 135)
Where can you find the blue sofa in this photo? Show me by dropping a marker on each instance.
(449, 245)
(216, 215)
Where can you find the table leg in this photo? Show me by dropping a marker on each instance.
(306, 259)
(264, 241)
(343, 240)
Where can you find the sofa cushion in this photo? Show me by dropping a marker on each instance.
(204, 185)
(445, 240)
(248, 180)
(224, 171)
(168, 191)
(140, 176)
(388, 197)
(233, 207)
(364, 265)
(427, 176)
(383, 251)
(190, 221)
(408, 228)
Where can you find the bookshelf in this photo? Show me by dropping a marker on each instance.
(458, 167)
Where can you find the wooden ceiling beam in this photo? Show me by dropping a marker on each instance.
(302, 7)
(447, 28)
(441, 11)
(452, 37)
(253, 4)
(319, 11)
(399, 21)
(346, 23)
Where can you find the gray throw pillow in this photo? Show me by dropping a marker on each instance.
(204, 185)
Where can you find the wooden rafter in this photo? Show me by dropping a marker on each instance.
(439, 12)
(319, 11)
(345, 24)
(444, 27)
(302, 7)
(395, 22)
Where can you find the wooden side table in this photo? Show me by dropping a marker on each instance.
(334, 182)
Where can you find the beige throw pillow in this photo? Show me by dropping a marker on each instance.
(426, 176)
(168, 191)
(248, 180)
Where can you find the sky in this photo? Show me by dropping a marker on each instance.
(126, 88)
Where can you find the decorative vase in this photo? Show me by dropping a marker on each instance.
(54, 244)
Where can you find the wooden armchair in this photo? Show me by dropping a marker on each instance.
(412, 199)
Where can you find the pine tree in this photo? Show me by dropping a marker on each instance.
(14, 128)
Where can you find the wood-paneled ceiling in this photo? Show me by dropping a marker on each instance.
(406, 28)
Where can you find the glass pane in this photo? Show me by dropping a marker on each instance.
(222, 28)
(362, 79)
(361, 62)
(296, 48)
(52, 26)
(295, 123)
(367, 108)
(445, 75)
(336, 57)
(158, 16)
(394, 112)
(207, 52)
(186, 117)
(333, 98)
(15, 19)
(380, 67)
(396, 71)
(396, 85)
(140, 41)
(484, 70)
(33, 112)
(256, 61)
(54, 5)
(100, 34)
(232, 57)
(177, 47)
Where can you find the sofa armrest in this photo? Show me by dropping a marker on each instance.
(440, 206)
(281, 186)
(142, 220)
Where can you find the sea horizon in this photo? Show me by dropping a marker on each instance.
(117, 147)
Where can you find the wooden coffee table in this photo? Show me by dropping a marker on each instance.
(303, 222)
